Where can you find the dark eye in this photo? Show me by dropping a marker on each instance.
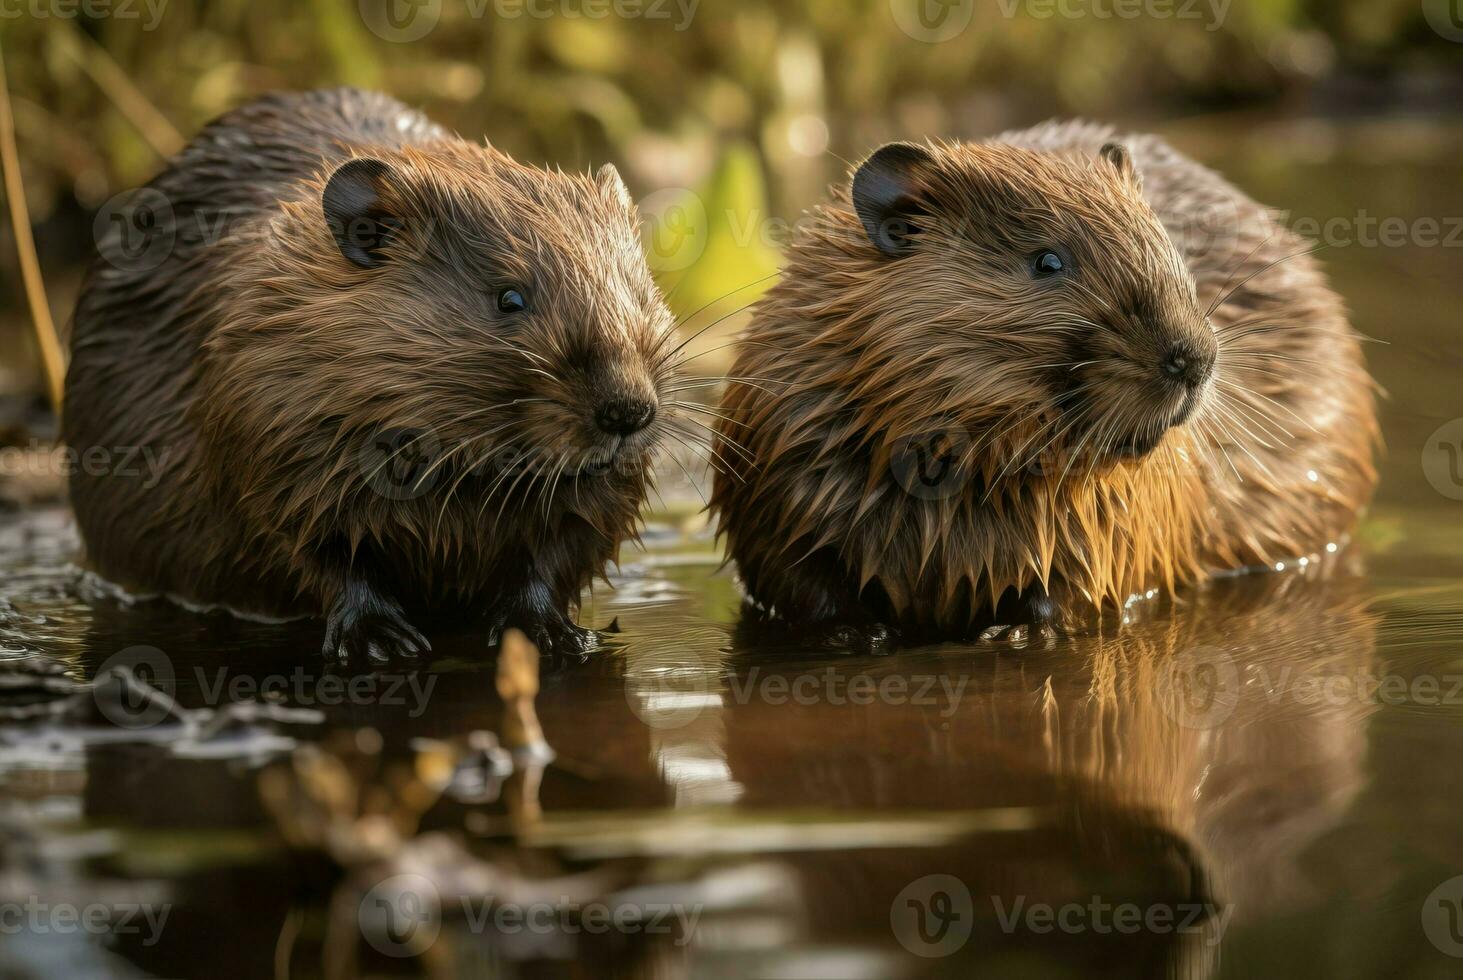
(511, 300)
(1047, 264)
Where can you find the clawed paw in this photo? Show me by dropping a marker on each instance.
(561, 639)
(375, 633)
(864, 638)
(1020, 636)
(555, 635)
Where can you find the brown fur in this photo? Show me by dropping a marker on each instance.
(854, 352)
(264, 364)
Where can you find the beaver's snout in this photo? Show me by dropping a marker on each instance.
(1187, 364)
(624, 416)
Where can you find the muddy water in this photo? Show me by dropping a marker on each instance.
(1260, 781)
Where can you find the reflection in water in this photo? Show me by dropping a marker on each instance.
(673, 684)
(942, 810)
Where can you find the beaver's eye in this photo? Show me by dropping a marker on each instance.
(511, 300)
(1047, 264)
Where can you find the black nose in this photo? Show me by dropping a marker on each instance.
(623, 416)
(1186, 365)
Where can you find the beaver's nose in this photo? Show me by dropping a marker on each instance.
(1187, 365)
(623, 416)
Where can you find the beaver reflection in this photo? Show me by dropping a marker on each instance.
(1184, 763)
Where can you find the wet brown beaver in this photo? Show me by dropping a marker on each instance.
(1007, 385)
(390, 374)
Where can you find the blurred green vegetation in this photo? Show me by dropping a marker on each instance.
(740, 107)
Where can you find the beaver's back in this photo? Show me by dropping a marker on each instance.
(138, 329)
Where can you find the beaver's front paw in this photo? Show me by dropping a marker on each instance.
(1021, 636)
(862, 638)
(558, 638)
(366, 627)
(554, 633)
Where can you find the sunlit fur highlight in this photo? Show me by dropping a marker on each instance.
(853, 351)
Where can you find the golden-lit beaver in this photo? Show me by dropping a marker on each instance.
(390, 374)
(1009, 384)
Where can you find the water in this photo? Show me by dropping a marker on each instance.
(1259, 781)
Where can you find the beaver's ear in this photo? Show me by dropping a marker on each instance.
(612, 186)
(356, 212)
(1117, 154)
(889, 195)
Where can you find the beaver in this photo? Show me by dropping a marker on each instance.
(390, 374)
(1006, 386)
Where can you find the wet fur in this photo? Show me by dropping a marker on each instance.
(264, 364)
(854, 351)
